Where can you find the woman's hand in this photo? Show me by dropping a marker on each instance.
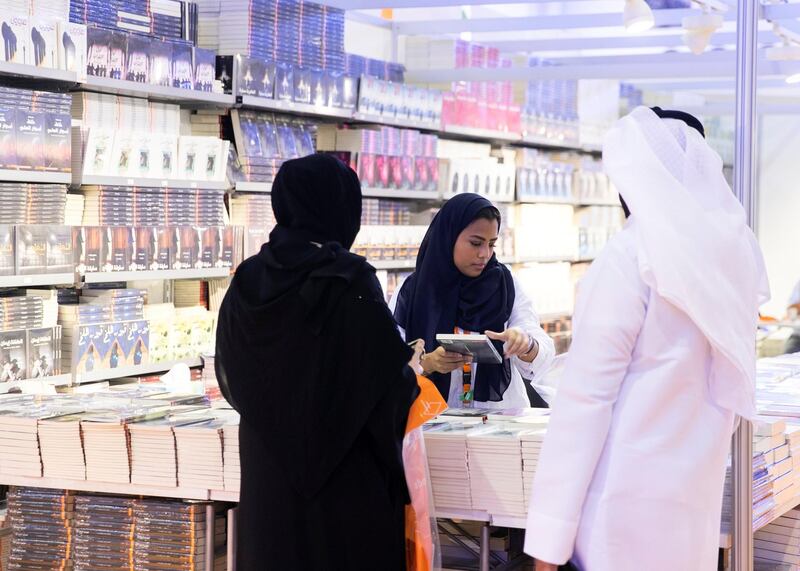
(441, 361)
(542, 566)
(516, 343)
(416, 360)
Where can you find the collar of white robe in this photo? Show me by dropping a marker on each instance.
(695, 249)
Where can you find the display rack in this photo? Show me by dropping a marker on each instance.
(305, 109)
(105, 180)
(400, 194)
(245, 186)
(9, 175)
(393, 264)
(39, 280)
(186, 97)
(401, 123)
(39, 74)
(135, 371)
(64, 380)
(106, 487)
(193, 274)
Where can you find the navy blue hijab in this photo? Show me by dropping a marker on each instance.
(437, 297)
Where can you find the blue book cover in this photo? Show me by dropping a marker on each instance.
(30, 140)
(8, 138)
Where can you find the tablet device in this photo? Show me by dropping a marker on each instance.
(477, 346)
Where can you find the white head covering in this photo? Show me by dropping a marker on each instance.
(694, 246)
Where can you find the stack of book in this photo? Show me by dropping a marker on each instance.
(531, 441)
(254, 213)
(61, 445)
(446, 447)
(199, 448)
(495, 470)
(169, 535)
(32, 203)
(104, 532)
(42, 523)
(779, 542)
(233, 466)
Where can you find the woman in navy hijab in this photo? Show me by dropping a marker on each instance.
(460, 287)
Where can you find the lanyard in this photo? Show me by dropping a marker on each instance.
(466, 372)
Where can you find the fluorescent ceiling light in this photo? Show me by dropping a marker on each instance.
(793, 79)
(638, 16)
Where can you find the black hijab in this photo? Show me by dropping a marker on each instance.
(438, 297)
(687, 118)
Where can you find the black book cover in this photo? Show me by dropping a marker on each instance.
(30, 140)
(117, 55)
(13, 356)
(89, 246)
(8, 138)
(138, 65)
(60, 255)
(43, 351)
(145, 252)
(188, 254)
(99, 49)
(166, 247)
(182, 66)
(31, 255)
(58, 142)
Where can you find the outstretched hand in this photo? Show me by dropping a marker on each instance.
(515, 342)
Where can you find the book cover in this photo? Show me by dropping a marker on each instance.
(89, 246)
(44, 43)
(43, 348)
(167, 158)
(210, 247)
(98, 42)
(286, 143)
(284, 82)
(137, 343)
(30, 140)
(166, 246)
(8, 138)
(58, 142)
(188, 254)
(250, 72)
(120, 253)
(161, 63)
(227, 244)
(72, 48)
(60, 254)
(335, 83)
(138, 64)
(123, 154)
(182, 66)
(144, 255)
(212, 153)
(6, 250)
(189, 154)
(117, 55)
(302, 86)
(204, 69)
(116, 334)
(349, 92)
(97, 156)
(16, 39)
(13, 356)
(31, 249)
(143, 145)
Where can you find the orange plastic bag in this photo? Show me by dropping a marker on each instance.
(422, 538)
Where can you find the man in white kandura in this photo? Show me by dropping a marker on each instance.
(663, 360)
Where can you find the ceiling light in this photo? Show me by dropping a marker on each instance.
(699, 29)
(638, 16)
(793, 79)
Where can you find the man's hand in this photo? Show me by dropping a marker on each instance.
(441, 361)
(542, 566)
(515, 341)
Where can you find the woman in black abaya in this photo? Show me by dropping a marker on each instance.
(309, 354)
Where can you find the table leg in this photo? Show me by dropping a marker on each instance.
(232, 513)
(485, 547)
(209, 537)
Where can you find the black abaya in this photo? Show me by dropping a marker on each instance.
(310, 356)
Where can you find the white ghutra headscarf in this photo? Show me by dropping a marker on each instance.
(694, 246)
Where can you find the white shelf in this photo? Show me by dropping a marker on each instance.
(38, 73)
(466, 515)
(103, 180)
(598, 203)
(394, 122)
(54, 381)
(546, 200)
(243, 186)
(157, 92)
(38, 280)
(106, 277)
(486, 134)
(105, 487)
(393, 264)
(513, 522)
(135, 371)
(9, 175)
(223, 496)
(291, 107)
(399, 194)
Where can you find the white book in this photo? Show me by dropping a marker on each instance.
(72, 48)
(97, 157)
